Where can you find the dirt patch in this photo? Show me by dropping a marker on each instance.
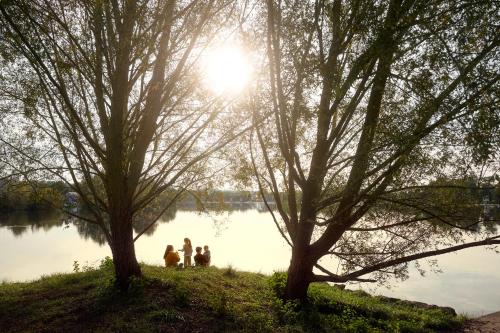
(485, 324)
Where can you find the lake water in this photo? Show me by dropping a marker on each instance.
(35, 245)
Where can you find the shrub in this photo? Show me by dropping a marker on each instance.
(107, 264)
(277, 283)
(230, 272)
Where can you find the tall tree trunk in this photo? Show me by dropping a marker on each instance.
(299, 274)
(123, 250)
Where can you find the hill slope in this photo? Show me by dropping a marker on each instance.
(201, 300)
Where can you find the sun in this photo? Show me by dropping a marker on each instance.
(227, 70)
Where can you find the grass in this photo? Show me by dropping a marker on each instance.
(200, 300)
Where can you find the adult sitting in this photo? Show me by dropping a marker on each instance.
(171, 257)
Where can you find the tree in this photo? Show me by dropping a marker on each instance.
(373, 103)
(105, 97)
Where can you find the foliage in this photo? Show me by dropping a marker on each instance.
(369, 120)
(373, 120)
(106, 264)
(22, 195)
(105, 97)
(230, 272)
(277, 283)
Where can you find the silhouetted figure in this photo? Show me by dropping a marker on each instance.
(207, 255)
(171, 257)
(199, 259)
(187, 248)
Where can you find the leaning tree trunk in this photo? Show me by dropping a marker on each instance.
(123, 250)
(299, 274)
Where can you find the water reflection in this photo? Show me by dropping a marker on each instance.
(19, 222)
(35, 244)
(144, 218)
(90, 231)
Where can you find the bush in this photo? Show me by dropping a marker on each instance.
(230, 272)
(277, 283)
(107, 264)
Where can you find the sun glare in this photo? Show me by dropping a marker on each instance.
(227, 70)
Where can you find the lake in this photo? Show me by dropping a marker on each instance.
(32, 245)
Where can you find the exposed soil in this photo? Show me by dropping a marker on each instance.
(485, 324)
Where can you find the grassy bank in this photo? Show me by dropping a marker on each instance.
(200, 300)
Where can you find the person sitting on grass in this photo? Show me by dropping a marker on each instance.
(199, 259)
(171, 257)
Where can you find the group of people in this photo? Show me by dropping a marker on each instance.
(172, 257)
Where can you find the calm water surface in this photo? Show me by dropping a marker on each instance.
(36, 245)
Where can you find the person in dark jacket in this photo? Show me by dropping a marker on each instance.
(199, 259)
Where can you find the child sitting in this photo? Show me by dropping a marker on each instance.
(206, 254)
(199, 259)
(171, 257)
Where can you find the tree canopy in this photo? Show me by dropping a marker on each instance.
(374, 125)
(105, 96)
(374, 103)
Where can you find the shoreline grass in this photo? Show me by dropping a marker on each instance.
(201, 300)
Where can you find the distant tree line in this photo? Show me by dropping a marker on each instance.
(23, 195)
